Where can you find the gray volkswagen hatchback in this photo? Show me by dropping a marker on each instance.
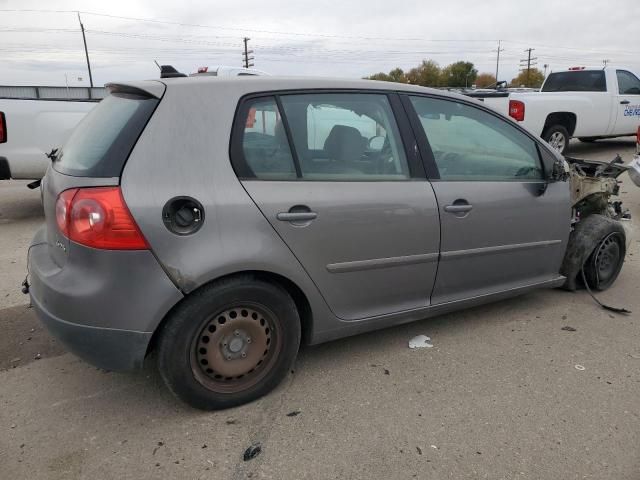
(220, 222)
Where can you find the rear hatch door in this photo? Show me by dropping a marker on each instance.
(96, 152)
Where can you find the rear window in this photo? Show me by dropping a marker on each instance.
(576, 81)
(101, 143)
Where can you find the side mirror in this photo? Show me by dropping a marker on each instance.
(560, 170)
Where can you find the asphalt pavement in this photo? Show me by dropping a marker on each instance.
(506, 392)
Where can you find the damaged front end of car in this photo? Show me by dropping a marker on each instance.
(600, 225)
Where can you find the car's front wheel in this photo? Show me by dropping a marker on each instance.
(605, 262)
(229, 343)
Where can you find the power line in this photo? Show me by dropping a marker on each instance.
(86, 51)
(246, 58)
(529, 62)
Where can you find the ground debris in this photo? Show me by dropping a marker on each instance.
(420, 341)
(294, 413)
(252, 451)
(419, 450)
(568, 329)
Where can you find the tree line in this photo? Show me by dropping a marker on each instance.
(456, 75)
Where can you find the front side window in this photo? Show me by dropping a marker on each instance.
(628, 83)
(265, 146)
(345, 136)
(470, 144)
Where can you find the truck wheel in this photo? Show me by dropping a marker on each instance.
(229, 343)
(605, 262)
(558, 137)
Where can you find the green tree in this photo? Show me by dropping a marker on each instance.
(397, 75)
(458, 74)
(485, 80)
(533, 80)
(427, 74)
(384, 77)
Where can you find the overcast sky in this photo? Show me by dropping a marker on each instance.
(306, 37)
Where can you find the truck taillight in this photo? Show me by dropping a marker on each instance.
(516, 110)
(3, 128)
(98, 217)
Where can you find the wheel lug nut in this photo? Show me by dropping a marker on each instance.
(248, 340)
(244, 355)
(228, 357)
(236, 333)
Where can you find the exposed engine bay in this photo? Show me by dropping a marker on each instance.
(593, 183)
(600, 225)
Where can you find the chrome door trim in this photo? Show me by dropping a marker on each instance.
(375, 263)
(455, 254)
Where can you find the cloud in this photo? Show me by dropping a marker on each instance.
(304, 37)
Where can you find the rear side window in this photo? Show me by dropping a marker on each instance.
(345, 137)
(265, 146)
(628, 83)
(101, 143)
(576, 81)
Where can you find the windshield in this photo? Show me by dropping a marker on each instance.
(100, 144)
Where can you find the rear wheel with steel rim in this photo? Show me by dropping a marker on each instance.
(558, 137)
(605, 262)
(229, 343)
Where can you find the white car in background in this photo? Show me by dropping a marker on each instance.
(36, 120)
(589, 103)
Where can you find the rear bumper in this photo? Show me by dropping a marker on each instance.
(103, 347)
(103, 305)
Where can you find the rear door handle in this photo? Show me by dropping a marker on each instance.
(296, 216)
(458, 208)
(625, 102)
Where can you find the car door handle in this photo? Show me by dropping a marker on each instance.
(458, 208)
(296, 216)
(625, 102)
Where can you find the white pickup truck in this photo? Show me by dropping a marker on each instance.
(589, 103)
(36, 120)
(33, 120)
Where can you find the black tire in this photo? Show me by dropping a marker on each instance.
(237, 299)
(605, 261)
(587, 139)
(556, 134)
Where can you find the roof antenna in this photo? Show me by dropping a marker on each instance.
(157, 65)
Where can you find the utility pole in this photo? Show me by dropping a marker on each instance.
(86, 52)
(498, 61)
(246, 59)
(605, 61)
(531, 62)
(546, 65)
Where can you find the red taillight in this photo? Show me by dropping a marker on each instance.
(98, 218)
(516, 110)
(3, 128)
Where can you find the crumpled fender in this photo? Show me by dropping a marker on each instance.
(584, 238)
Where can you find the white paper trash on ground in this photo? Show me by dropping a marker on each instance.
(421, 341)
